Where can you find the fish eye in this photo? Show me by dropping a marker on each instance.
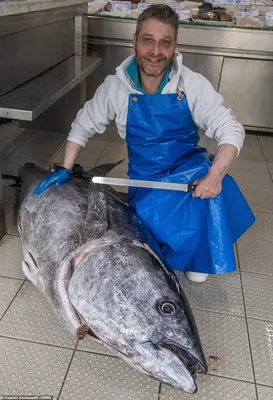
(167, 308)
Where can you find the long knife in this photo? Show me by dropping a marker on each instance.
(143, 184)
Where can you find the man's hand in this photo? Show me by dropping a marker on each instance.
(58, 178)
(211, 185)
(208, 187)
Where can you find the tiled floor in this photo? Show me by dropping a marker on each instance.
(234, 313)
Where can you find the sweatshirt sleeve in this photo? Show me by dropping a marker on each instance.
(94, 116)
(210, 114)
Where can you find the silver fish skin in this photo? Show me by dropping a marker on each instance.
(100, 271)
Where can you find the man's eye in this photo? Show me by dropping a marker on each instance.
(148, 40)
(166, 42)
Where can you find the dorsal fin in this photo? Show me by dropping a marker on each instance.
(103, 169)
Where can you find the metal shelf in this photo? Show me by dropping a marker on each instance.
(32, 98)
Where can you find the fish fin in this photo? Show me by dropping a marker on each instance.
(120, 196)
(103, 169)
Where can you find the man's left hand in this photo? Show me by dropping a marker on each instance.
(208, 187)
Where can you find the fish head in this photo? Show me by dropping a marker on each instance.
(134, 305)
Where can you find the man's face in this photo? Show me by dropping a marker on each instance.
(154, 47)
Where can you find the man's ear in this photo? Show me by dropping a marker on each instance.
(134, 42)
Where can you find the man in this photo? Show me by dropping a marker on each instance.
(157, 104)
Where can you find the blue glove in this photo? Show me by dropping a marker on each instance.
(59, 177)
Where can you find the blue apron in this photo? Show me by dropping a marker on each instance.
(193, 234)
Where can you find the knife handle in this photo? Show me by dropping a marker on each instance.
(191, 188)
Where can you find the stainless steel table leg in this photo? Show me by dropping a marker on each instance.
(2, 210)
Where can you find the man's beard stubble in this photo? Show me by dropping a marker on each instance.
(141, 64)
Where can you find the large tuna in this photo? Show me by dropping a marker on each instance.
(94, 263)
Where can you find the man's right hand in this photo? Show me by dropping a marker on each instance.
(59, 177)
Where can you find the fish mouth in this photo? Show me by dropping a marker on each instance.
(191, 357)
(192, 363)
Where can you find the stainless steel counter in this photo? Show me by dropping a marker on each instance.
(31, 99)
(44, 64)
(238, 62)
(14, 7)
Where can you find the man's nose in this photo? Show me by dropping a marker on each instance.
(156, 48)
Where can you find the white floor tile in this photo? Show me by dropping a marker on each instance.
(11, 221)
(265, 393)
(251, 156)
(11, 257)
(8, 289)
(266, 143)
(257, 189)
(213, 388)
(105, 136)
(117, 174)
(31, 318)
(11, 194)
(116, 138)
(221, 293)
(98, 377)
(92, 345)
(87, 157)
(8, 146)
(32, 369)
(258, 295)
(270, 167)
(115, 152)
(12, 165)
(12, 131)
(255, 255)
(7, 207)
(41, 151)
(9, 130)
(261, 342)
(47, 137)
(208, 143)
(262, 228)
(225, 343)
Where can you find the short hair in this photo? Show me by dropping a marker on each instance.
(161, 12)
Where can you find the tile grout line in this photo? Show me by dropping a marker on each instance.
(229, 378)
(12, 277)
(265, 159)
(22, 143)
(261, 384)
(257, 273)
(250, 171)
(98, 354)
(101, 154)
(255, 238)
(104, 149)
(261, 320)
(159, 391)
(33, 342)
(219, 313)
(61, 388)
(12, 300)
(246, 321)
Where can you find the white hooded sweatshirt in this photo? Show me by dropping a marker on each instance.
(110, 102)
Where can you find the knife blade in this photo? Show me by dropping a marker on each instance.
(143, 184)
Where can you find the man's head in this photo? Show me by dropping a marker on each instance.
(155, 39)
